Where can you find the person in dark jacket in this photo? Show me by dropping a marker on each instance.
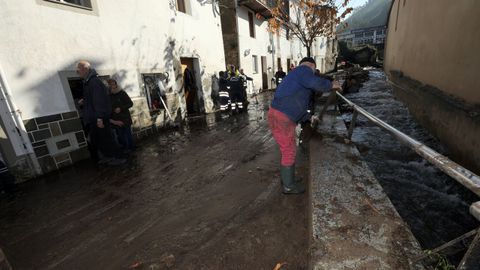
(224, 95)
(245, 86)
(279, 75)
(236, 93)
(190, 87)
(289, 107)
(96, 114)
(121, 118)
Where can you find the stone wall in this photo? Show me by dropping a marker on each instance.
(58, 140)
(453, 121)
(145, 122)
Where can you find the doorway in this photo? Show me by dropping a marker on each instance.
(264, 72)
(192, 86)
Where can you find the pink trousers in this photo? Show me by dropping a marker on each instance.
(283, 131)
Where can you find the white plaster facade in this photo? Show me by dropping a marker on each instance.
(42, 40)
(121, 38)
(325, 51)
(283, 48)
(271, 46)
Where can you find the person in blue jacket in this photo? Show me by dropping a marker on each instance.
(289, 107)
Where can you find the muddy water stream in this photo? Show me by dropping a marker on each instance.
(432, 203)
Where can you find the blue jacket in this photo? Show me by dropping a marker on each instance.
(293, 95)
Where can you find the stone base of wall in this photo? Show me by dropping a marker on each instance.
(147, 122)
(58, 140)
(456, 123)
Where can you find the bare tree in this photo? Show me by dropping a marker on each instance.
(308, 19)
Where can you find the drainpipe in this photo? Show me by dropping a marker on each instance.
(272, 45)
(14, 113)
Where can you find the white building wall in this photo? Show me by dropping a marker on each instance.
(249, 46)
(42, 41)
(259, 45)
(124, 38)
(284, 50)
(324, 54)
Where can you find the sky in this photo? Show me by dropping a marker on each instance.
(354, 4)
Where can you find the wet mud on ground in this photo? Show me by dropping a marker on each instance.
(207, 196)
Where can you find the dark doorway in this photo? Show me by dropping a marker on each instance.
(76, 87)
(264, 72)
(191, 86)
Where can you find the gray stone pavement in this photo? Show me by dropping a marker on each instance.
(354, 224)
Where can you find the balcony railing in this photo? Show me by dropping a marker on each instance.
(261, 7)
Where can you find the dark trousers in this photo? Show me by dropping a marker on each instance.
(237, 99)
(102, 140)
(125, 137)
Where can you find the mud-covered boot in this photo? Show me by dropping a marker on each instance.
(290, 186)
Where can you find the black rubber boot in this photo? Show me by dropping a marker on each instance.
(290, 186)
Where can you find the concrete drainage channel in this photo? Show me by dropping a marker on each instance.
(353, 223)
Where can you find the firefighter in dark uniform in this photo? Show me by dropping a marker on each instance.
(236, 93)
(223, 93)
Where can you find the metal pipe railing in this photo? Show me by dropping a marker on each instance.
(465, 177)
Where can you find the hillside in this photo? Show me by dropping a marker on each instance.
(373, 13)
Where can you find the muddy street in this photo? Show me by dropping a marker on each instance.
(207, 196)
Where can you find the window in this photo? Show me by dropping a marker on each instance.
(251, 24)
(369, 33)
(78, 3)
(154, 90)
(181, 6)
(255, 64)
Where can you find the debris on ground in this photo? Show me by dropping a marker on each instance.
(168, 260)
(135, 265)
(279, 266)
(199, 207)
(354, 79)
